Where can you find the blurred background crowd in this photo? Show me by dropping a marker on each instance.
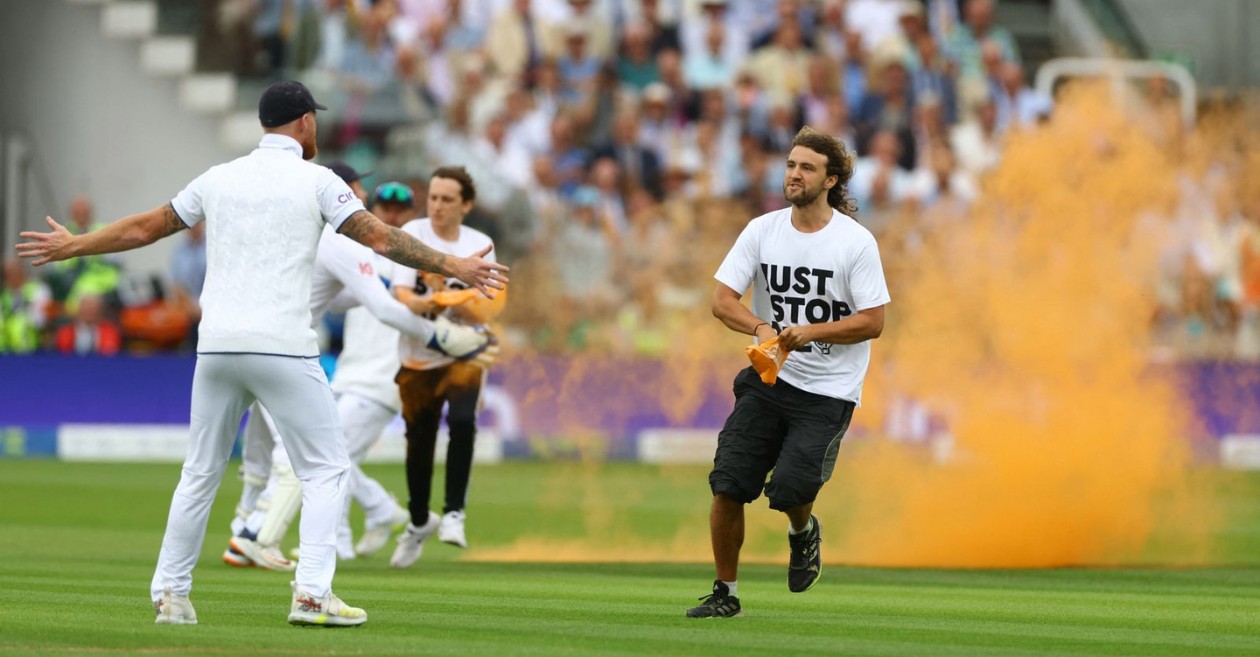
(619, 146)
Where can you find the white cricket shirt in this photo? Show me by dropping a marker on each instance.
(264, 215)
(413, 353)
(809, 278)
(369, 361)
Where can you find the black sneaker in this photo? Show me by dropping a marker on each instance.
(718, 604)
(805, 564)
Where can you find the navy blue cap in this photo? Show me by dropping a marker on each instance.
(285, 101)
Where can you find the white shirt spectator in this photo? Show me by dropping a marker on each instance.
(875, 20)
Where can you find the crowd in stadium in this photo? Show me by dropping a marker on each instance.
(615, 143)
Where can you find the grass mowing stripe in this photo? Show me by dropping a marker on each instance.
(75, 563)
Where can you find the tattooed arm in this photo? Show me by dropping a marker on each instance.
(364, 228)
(130, 232)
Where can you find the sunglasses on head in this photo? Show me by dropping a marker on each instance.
(392, 192)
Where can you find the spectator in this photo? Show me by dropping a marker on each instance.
(570, 157)
(640, 166)
(597, 28)
(783, 66)
(578, 65)
(879, 183)
(874, 20)
(682, 98)
(977, 142)
(932, 74)
(709, 69)
(965, 44)
(661, 19)
(24, 309)
(657, 130)
(736, 40)
(822, 83)
(72, 279)
(508, 160)
(583, 253)
(636, 68)
(1017, 104)
(512, 44)
(892, 109)
(90, 332)
(606, 180)
(273, 23)
(853, 74)
(830, 34)
(942, 182)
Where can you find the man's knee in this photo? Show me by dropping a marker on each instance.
(732, 488)
(784, 495)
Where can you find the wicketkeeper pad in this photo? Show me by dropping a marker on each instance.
(767, 357)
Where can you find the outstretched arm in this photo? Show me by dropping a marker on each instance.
(130, 232)
(366, 229)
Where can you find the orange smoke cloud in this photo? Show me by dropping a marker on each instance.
(1026, 325)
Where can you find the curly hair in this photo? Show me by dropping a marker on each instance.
(839, 164)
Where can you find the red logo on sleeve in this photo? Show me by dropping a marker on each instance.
(365, 268)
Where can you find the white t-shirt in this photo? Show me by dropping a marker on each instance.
(413, 353)
(369, 359)
(809, 278)
(264, 215)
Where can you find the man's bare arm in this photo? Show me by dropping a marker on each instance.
(862, 326)
(128, 233)
(736, 316)
(366, 229)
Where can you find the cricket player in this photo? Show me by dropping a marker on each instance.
(346, 276)
(818, 296)
(367, 398)
(265, 214)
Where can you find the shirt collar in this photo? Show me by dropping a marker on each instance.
(282, 142)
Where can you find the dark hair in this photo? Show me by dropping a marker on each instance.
(467, 190)
(839, 164)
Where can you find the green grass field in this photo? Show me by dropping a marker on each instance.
(78, 544)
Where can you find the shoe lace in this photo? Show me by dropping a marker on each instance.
(799, 547)
(713, 599)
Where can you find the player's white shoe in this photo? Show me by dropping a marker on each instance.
(411, 542)
(234, 558)
(328, 611)
(375, 538)
(174, 609)
(452, 529)
(263, 556)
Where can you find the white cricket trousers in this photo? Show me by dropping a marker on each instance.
(296, 392)
(363, 421)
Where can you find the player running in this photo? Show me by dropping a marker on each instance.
(818, 297)
(265, 214)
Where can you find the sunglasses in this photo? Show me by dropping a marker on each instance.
(392, 192)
